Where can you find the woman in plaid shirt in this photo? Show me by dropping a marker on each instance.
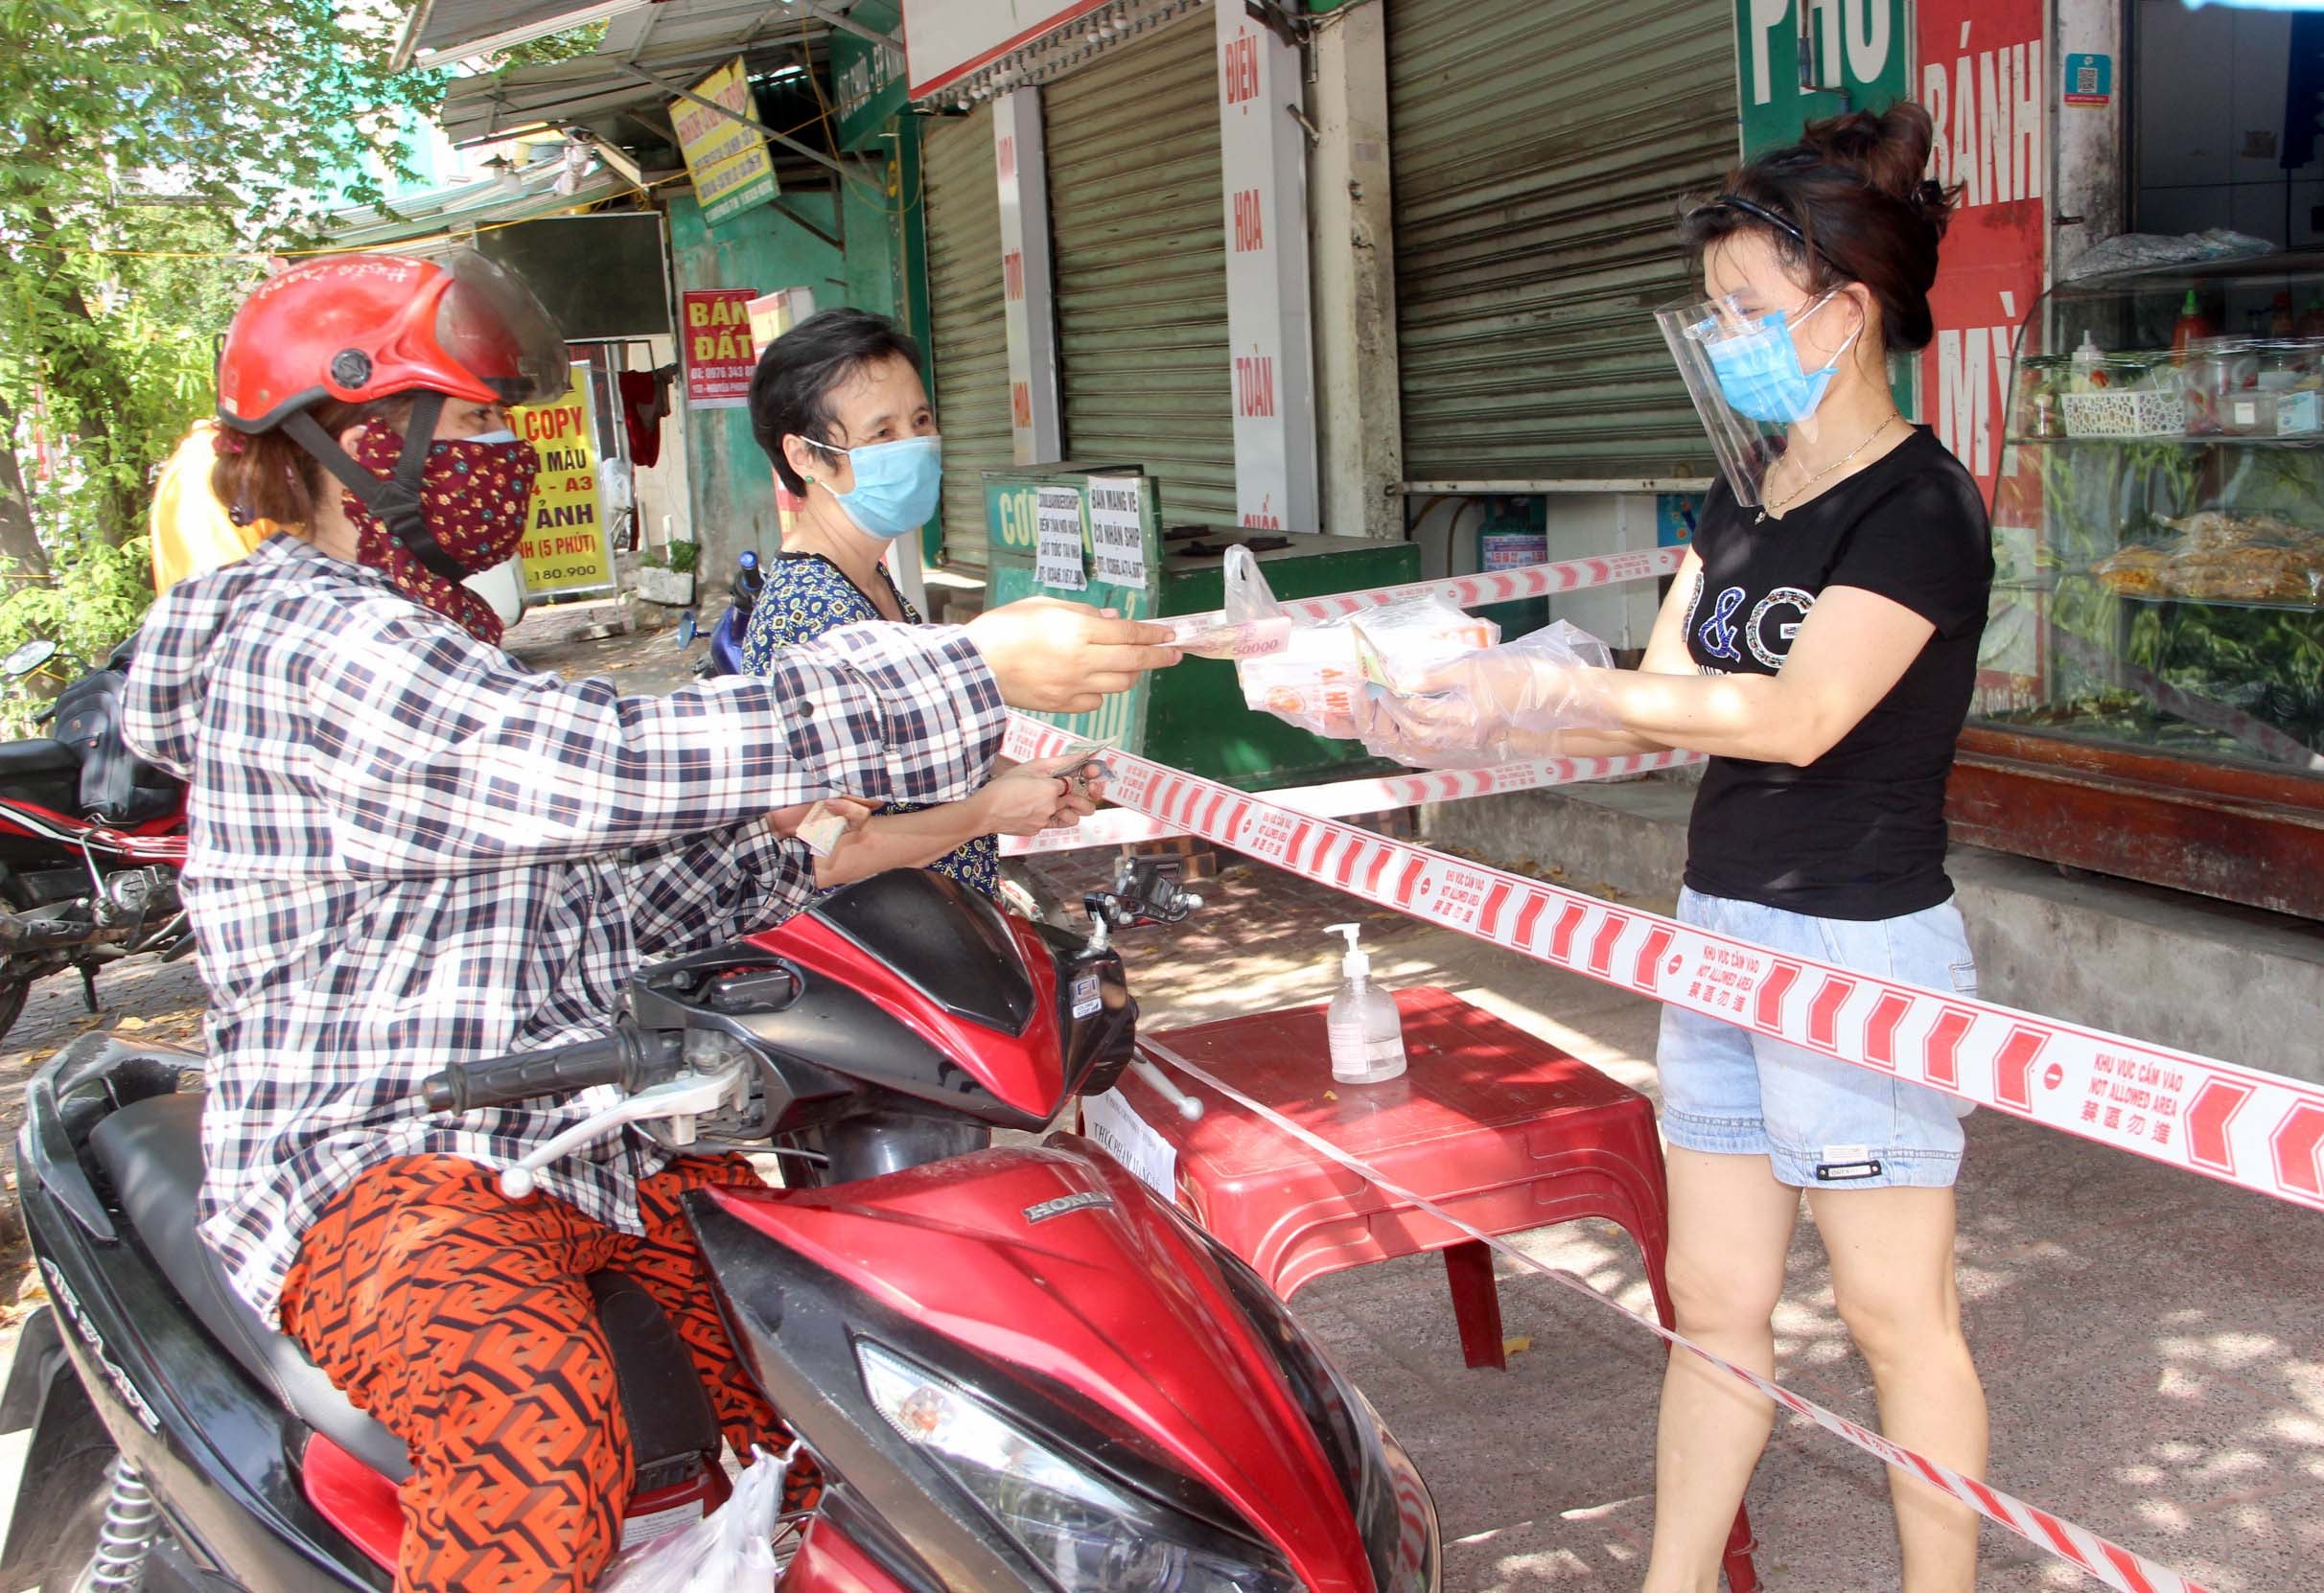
(408, 850)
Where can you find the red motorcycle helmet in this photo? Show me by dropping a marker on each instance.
(360, 327)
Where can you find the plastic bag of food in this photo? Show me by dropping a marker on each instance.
(1311, 679)
(2134, 570)
(2210, 530)
(1489, 706)
(729, 1551)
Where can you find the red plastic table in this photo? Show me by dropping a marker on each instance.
(1500, 1128)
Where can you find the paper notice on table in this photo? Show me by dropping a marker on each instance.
(1132, 1141)
(1117, 530)
(1056, 559)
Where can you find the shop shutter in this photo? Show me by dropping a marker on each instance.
(1136, 203)
(968, 345)
(1539, 152)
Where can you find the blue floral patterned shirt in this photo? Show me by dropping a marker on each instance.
(805, 596)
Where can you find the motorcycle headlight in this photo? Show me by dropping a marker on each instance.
(1086, 1531)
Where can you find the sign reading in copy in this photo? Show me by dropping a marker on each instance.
(564, 548)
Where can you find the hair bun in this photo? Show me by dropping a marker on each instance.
(1888, 150)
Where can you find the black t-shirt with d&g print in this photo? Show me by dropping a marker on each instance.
(1860, 832)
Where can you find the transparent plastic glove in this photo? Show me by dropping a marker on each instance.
(728, 1550)
(1492, 706)
(1314, 680)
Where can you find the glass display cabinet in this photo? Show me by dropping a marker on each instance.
(2151, 689)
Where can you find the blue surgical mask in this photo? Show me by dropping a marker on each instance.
(1758, 368)
(895, 484)
(495, 438)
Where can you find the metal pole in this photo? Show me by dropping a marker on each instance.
(844, 23)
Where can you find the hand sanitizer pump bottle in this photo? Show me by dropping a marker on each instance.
(1366, 1031)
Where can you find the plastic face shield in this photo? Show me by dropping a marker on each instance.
(1743, 370)
(489, 323)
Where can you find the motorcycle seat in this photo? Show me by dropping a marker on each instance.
(42, 757)
(152, 1151)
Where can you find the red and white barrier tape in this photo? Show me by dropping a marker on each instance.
(2109, 1563)
(1494, 586)
(2256, 1130)
(1340, 799)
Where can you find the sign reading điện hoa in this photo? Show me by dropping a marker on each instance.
(564, 548)
(727, 159)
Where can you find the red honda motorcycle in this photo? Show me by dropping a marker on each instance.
(91, 840)
(1018, 1367)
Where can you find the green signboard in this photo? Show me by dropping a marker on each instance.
(1843, 55)
(866, 79)
(1122, 536)
(1797, 61)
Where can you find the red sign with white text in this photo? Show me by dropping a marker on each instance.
(717, 347)
(1985, 84)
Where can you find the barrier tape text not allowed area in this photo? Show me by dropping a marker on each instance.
(2257, 1130)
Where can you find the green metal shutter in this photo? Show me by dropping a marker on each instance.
(968, 344)
(1136, 206)
(1537, 153)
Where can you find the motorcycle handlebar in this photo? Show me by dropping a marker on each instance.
(616, 1058)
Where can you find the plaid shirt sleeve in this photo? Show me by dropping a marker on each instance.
(436, 754)
(712, 888)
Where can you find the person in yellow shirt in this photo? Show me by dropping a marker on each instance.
(191, 531)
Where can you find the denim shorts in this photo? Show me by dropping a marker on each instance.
(1823, 1124)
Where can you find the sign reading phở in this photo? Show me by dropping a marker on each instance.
(727, 159)
(718, 349)
(564, 548)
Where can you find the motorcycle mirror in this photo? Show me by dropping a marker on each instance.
(687, 629)
(28, 658)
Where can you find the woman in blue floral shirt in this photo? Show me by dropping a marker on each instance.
(838, 405)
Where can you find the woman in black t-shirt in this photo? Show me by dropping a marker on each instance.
(1818, 644)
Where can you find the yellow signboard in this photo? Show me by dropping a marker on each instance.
(727, 159)
(564, 548)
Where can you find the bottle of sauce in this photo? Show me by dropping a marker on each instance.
(2192, 323)
(2281, 321)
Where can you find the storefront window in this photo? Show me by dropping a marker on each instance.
(2159, 522)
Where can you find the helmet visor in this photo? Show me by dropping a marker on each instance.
(489, 323)
(1742, 368)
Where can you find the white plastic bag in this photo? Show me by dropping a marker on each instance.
(731, 1550)
(1314, 680)
(1251, 625)
(1493, 705)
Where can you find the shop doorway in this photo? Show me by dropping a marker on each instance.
(2223, 111)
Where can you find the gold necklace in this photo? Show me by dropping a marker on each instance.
(1795, 495)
